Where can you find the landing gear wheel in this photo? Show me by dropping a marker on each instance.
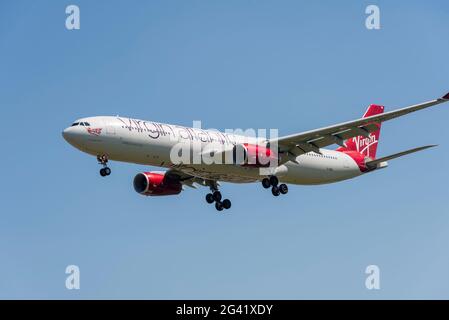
(103, 160)
(266, 183)
(226, 203)
(217, 196)
(274, 181)
(283, 188)
(219, 206)
(275, 191)
(209, 198)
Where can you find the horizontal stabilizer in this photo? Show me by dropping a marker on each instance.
(375, 163)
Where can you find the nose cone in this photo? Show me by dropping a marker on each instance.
(64, 133)
(67, 135)
(73, 136)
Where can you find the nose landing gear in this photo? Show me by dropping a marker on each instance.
(273, 182)
(103, 160)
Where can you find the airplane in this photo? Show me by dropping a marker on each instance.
(298, 159)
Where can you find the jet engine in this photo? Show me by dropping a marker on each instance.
(156, 184)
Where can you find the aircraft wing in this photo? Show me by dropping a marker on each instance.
(187, 179)
(300, 143)
(178, 175)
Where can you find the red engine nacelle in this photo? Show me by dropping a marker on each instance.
(155, 184)
(253, 155)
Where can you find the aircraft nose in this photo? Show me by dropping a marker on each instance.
(66, 134)
(72, 135)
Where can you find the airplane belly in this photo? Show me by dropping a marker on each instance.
(223, 172)
(314, 169)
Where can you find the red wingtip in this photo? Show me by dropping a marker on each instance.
(446, 97)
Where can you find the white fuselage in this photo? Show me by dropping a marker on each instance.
(151, 143)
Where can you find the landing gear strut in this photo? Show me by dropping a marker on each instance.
(273, 182)
(215, 196)
(103, 160)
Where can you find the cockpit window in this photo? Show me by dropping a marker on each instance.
(84, 124)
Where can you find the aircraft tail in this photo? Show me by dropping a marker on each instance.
(382, 162)
(366, 144)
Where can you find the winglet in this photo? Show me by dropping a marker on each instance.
(446, 97)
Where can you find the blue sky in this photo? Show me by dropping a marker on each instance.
(292, 65)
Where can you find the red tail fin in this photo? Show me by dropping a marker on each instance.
(364, 145)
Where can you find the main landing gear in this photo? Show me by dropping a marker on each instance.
(276, 188)
(103, 160)
(215, 196)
